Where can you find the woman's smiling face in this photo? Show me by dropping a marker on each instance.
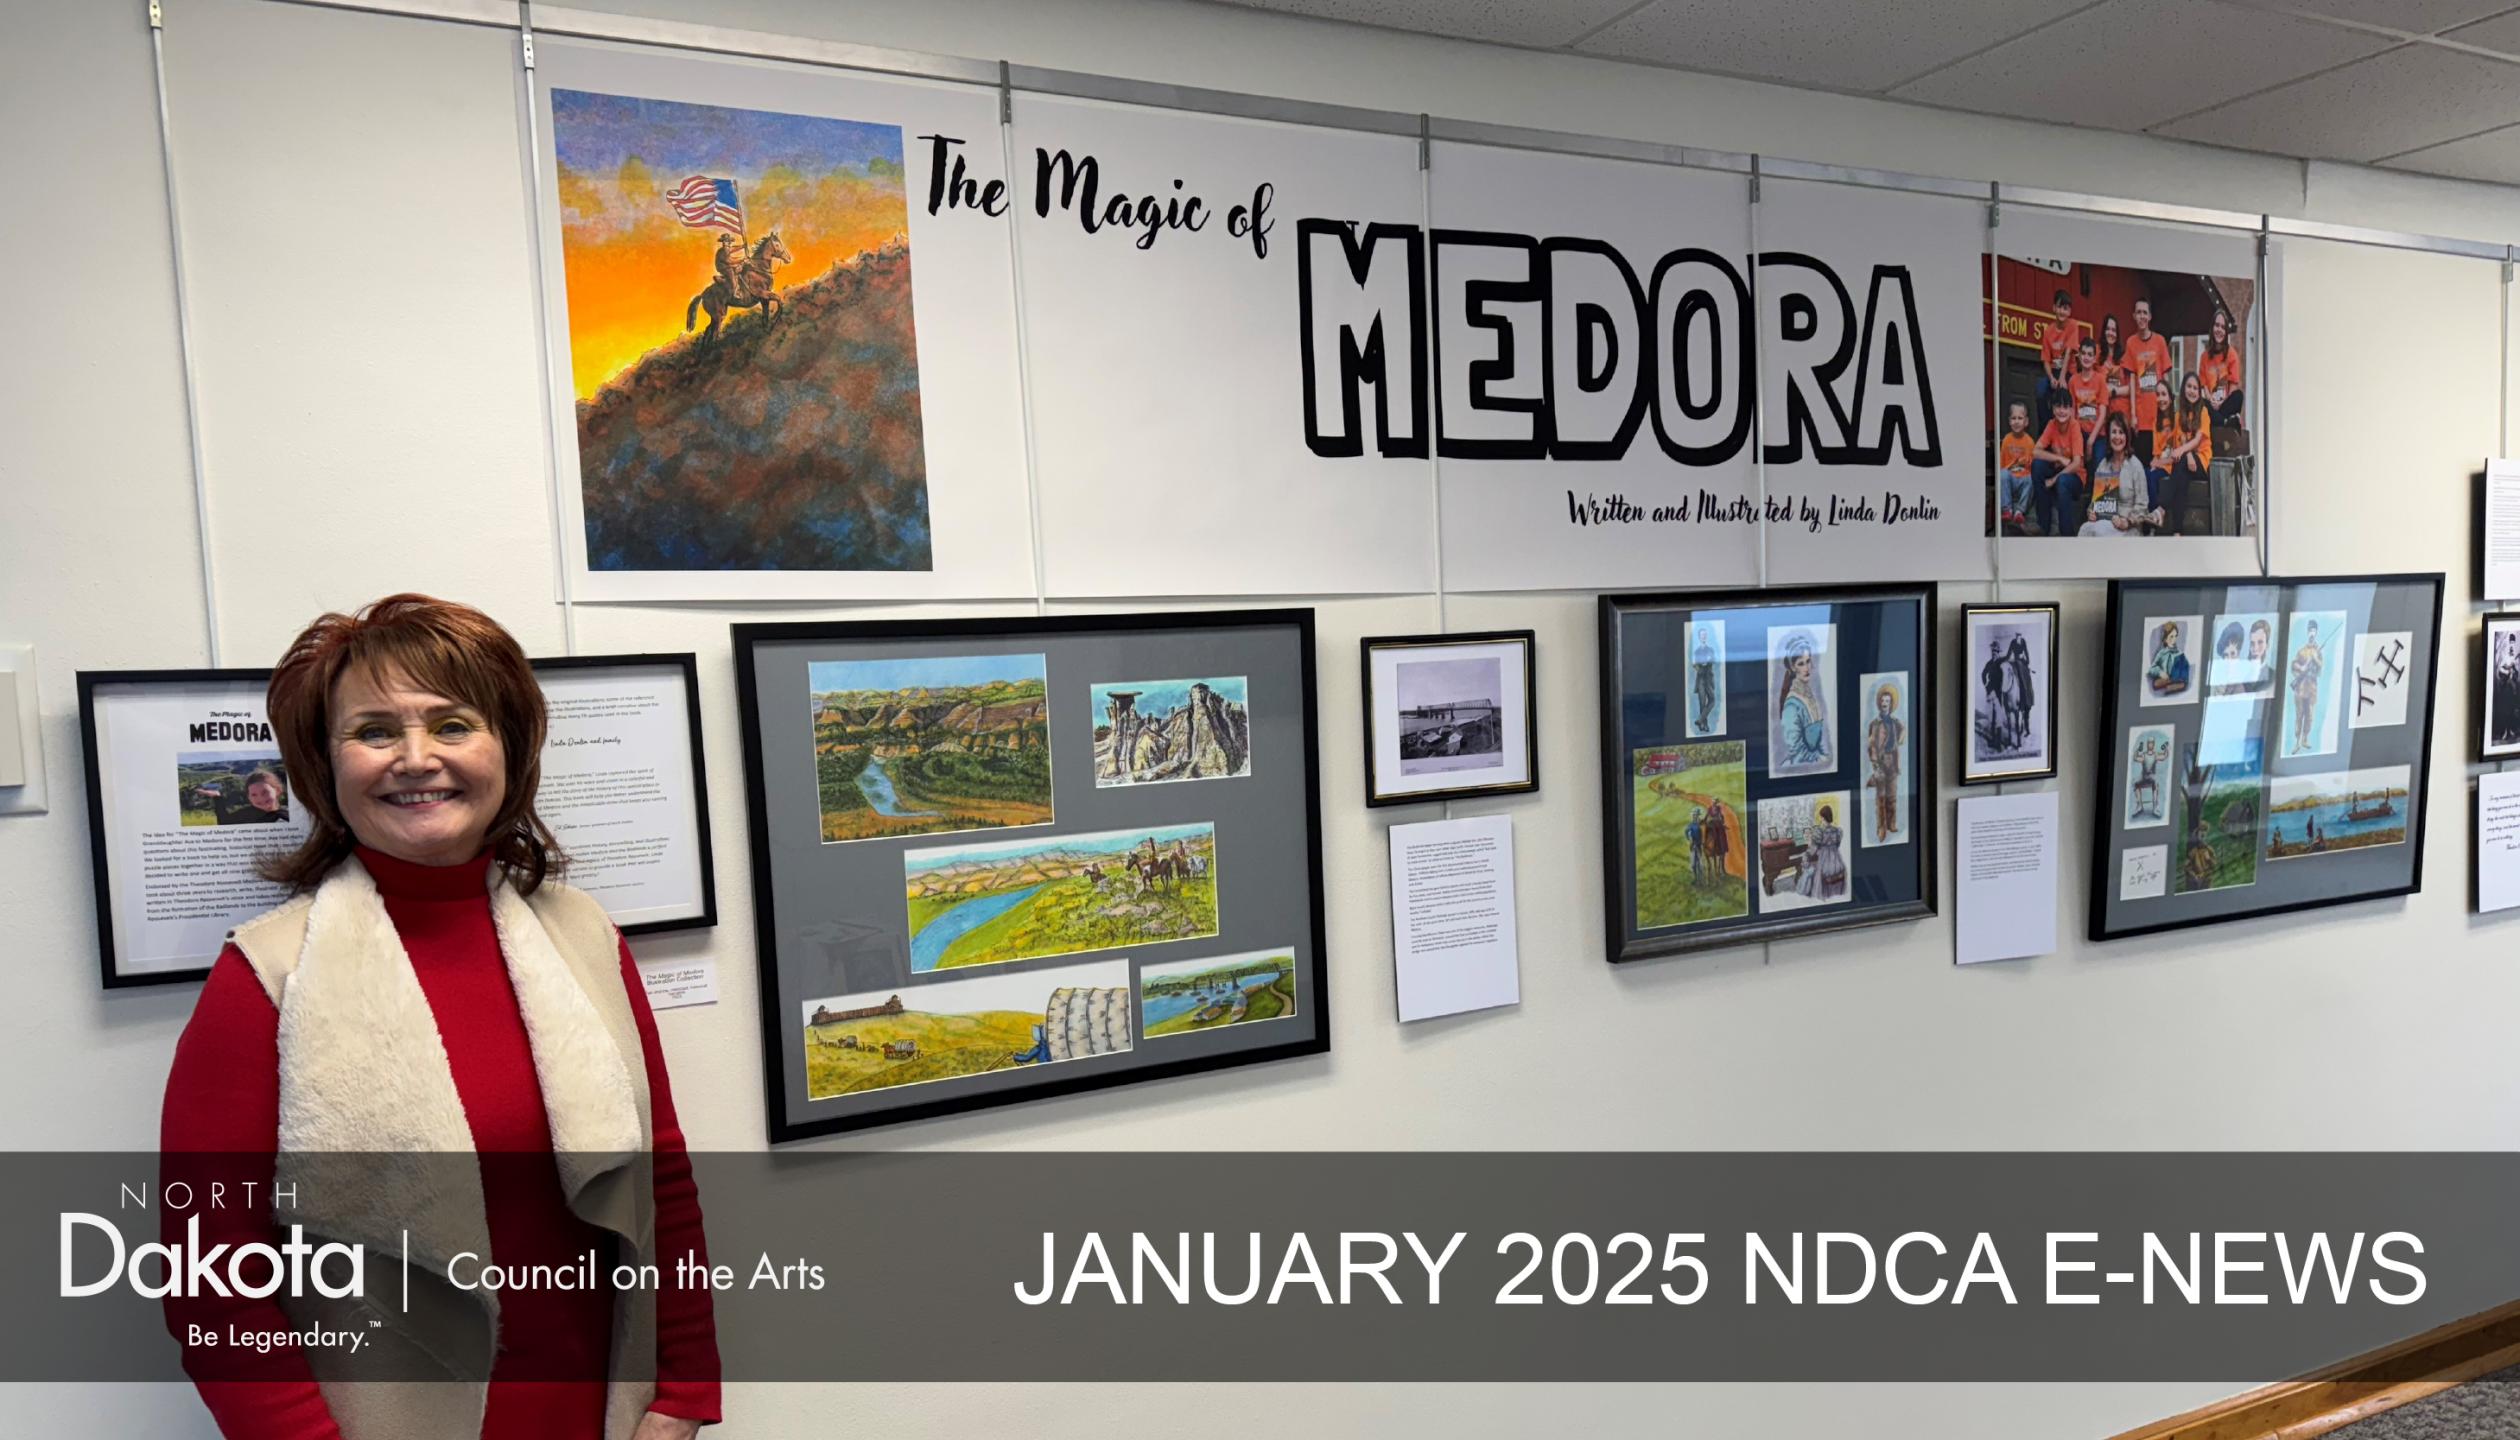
(417, 775)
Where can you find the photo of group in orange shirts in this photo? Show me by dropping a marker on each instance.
(2120, 402)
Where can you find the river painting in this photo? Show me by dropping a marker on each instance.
(959, 1028)
(1019, 900)
(1192, 995)
(2340, 810)
(931, 744)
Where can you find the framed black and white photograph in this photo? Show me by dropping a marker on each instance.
(996, 860)
(1448, 717)
(187, 795)
(2498, 718)
(2010, 671)
(1767, 764)
(2296, 780)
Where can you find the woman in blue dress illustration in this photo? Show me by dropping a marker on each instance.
(1823, 873)
(1802, 717)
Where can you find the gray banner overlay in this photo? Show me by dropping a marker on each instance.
(917, 1267)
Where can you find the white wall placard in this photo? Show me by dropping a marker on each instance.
(1872, 370)
(861, 438)
(1592, 359)
(1453, 945)
(2007, 877)
(2497, 841)
(1226, 398)
(2501, 522)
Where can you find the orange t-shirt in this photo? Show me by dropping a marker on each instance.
(2171, 437)
(2118, 384)
(2013, 451)
(2067, 442)
(2090, 389)
(2147, 355)
(2057, 342)
(2224, 370)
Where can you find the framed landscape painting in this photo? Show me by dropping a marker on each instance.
(997, 860)
(2295, 779)
(1767, 764)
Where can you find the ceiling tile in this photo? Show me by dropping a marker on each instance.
(1826, 43)
(2424, 17)
(2494, 156)
(2397, 101)
(2110, 67)
(1548, 23)
(2500, 33)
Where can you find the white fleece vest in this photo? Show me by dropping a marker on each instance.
(363, 1073)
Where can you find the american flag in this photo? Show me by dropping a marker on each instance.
(706, 204)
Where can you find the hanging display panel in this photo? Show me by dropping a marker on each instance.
(2269, 744)
(1229, 395)
(1763, 758)
(1871, 370)
(1000, 859)
(2127, 400)
(1593, 371)
(781, 320)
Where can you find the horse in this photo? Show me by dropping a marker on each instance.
(760, 288)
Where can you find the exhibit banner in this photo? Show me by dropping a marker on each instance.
(1224, 325)
(1592, 356)
(753, 399)
(2125, 371)
(1869, 362)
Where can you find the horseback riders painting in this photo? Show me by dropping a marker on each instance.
(2012, 689)
(740, 342)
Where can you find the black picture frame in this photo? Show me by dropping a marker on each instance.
(688, 664)
(1376, 795)
(784, 1124)
(1903, 620)
(100, 847)
(112, 972)
(2180, 906)
(1970, 674)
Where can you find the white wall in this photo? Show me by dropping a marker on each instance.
(355, 220)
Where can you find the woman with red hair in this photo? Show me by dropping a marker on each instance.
(436, 1039)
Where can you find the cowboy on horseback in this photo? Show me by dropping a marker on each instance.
(744, 279)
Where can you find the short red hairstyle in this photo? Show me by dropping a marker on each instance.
(436, 645)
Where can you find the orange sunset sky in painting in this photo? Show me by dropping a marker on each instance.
(830, 188)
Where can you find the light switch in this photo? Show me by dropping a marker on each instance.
(12, 741)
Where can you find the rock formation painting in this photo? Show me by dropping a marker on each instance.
(740, 338)
(959, 1028)
(1018, 900)
(1155, 730)
(931, 745)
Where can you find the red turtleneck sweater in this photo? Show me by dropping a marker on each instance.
(223, 1096)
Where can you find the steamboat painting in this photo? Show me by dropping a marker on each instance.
(740, 341)
(931, 744)
(1019, 900)
(1188, 996)
(961, 1028)
(1148, 731)
(2338, 811)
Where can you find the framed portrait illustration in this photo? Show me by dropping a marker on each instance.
(2498, 697)
(1449, 716)
(1767, 764)
(2268, 747)
(996, 860)
(187, 795)
(2010, 672)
